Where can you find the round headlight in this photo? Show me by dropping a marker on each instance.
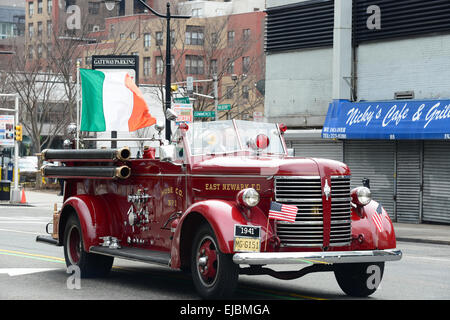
(364, 195)
(248, 197)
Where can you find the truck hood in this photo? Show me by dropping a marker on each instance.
(269, 166)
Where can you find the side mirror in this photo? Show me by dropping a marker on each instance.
(171, 115)
(291, 152)
(167, 153)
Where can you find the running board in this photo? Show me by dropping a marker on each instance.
(136, 254)
(47, 240)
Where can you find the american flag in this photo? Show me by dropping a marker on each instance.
(285, 212)
(376, 218)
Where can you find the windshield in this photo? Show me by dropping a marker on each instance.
(219, 137)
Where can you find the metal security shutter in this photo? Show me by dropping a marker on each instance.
(436, 181)
(400, 18)
(408, 181)
(374, 160)
(305, 24)
(319, 149)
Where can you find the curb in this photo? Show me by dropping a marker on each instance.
(441, 242)
(7, 204)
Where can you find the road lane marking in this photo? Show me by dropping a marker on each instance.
(247, 289)
(20, 231)
(13, 272)
(426, 258)
(31, 256)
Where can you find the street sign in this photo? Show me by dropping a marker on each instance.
(184, 100)
(204, 114)
(190, 84)
(224, 107)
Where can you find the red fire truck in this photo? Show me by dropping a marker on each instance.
(200, 203)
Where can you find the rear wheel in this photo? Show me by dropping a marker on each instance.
(91, 265)
(359, 279)
(214, 273)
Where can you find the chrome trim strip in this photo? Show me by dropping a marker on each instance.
(328, 257)
(296, 177)
(340, 177)
(198, 175)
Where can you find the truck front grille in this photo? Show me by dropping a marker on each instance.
(306, 194)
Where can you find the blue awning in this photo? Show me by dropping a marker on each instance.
(394, 120)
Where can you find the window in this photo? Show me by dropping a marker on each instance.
(245, 92)
(159, 65)
(230, 66)
(122, 36)
(214, 38)
(147, 40)
(39, 51)
(49, 6)
(197, 12)
(31, 9)
(49, 28)
(39, 29)
(194, 65)
(229, 94)
(159, 38)
(49, 50)
(230, 38)
(133, 35)
(31, 30)
(194, 35)
(246, 34)
(213, 66)
(147, 66)
(40, 6)
(94, 8)
(245, 64)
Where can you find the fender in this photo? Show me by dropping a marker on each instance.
(366, 228)
(94, 214)
(222, 216)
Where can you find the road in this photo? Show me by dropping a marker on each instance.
(30, 270)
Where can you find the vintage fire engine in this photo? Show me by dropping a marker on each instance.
(201, 205)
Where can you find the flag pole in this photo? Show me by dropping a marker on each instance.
(267, 233)
(78, 106)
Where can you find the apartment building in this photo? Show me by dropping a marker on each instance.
(229, 46)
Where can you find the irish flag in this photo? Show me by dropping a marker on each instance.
(111, 101)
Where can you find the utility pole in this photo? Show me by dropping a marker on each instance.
(216, 96)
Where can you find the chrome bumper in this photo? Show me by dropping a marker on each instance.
(328, 257)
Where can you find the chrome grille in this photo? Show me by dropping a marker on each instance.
(306, 193)
(341, 229)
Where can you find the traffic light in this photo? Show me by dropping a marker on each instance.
(174, 88)
(19, 133)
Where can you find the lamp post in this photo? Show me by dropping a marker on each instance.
(168, 97)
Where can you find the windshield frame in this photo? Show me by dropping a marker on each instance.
(242, 150)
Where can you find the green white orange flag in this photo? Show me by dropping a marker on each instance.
(111, 101)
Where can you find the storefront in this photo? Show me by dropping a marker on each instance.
(403, 147)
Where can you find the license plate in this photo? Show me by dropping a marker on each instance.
(247, 238)
(247, 244)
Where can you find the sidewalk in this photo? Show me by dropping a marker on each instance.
(423, 233)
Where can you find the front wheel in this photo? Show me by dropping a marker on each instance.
(214, 273)
(359, 279)
(91, 265)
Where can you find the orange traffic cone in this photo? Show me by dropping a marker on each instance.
(24, 199)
